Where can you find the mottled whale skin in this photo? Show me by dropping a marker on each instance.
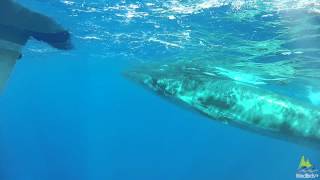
(235, 103)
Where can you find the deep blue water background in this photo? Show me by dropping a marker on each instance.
(72, 115)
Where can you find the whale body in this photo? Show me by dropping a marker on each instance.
(232, 102)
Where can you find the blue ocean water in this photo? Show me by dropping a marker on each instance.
(73, 115)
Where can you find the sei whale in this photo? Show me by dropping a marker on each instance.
(232, 102)
(17, 25)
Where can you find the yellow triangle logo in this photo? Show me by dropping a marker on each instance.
(304, 163)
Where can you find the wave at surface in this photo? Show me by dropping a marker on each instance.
(275, 39)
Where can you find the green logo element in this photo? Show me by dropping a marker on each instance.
(304, 163)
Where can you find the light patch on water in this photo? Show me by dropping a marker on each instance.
(68, 2)
(315, 10)
(193, 7)
(134, 6)
(286, 53)
(196, 6)
(167, 44)
(132, 12)
(149, 4)
(171, 17)
(298, 52)
(90, 38)
(87, 10)
(157, 26)
(294, 4)
(313, 96)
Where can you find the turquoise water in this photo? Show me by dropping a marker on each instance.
(73, 115)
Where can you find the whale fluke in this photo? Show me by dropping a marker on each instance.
(236, 103)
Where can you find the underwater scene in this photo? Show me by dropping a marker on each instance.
(159, 90)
